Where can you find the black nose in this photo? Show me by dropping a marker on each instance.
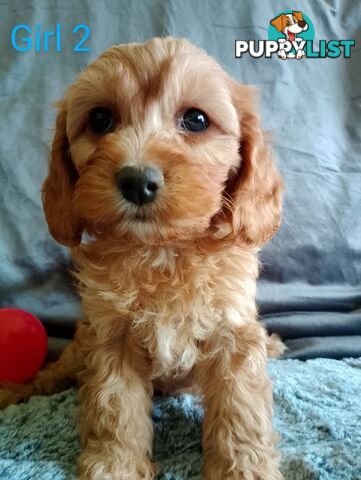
(302, 23)
(139, 185)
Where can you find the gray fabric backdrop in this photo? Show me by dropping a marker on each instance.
(310, 288)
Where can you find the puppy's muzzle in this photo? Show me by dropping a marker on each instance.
(139, 185)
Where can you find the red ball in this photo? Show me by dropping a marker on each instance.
(23, 345)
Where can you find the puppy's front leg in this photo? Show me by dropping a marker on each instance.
(238, 440)
(115, 415)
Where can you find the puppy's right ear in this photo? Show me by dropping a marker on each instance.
(57, 191)
(298, 15)
(278, 22)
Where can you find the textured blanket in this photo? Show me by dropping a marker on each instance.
(318, 414)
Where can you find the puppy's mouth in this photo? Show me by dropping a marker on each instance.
(141, 214)
(141, 217)
(291, 36)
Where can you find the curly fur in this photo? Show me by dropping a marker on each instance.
(168, 289)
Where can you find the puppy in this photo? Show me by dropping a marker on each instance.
(290, 24)
(162, 182)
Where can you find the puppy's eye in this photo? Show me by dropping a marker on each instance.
(194, 120)
(101, 120)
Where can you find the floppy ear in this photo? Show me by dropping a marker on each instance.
(57, 191)
(298, 15)
(279, 22)
(254, 191)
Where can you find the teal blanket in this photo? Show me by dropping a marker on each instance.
(318, 414)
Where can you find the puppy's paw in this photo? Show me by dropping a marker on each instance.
(8, 395)
(95, 464)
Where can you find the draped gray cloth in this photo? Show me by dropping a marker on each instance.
(310, 286)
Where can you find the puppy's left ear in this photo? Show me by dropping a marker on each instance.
(254, 191)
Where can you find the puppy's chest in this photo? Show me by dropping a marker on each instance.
(168, 297)
(175, 312)
(173, 301)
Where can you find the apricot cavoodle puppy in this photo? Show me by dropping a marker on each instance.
(162, 182)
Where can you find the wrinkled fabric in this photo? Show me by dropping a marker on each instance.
(310, 286)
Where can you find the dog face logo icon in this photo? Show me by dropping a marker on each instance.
(290, 27)
(290, 24)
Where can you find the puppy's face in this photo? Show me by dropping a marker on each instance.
(290, 24)
(148, 146)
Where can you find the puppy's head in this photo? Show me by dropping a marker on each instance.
(155, 143)
(290, 23)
